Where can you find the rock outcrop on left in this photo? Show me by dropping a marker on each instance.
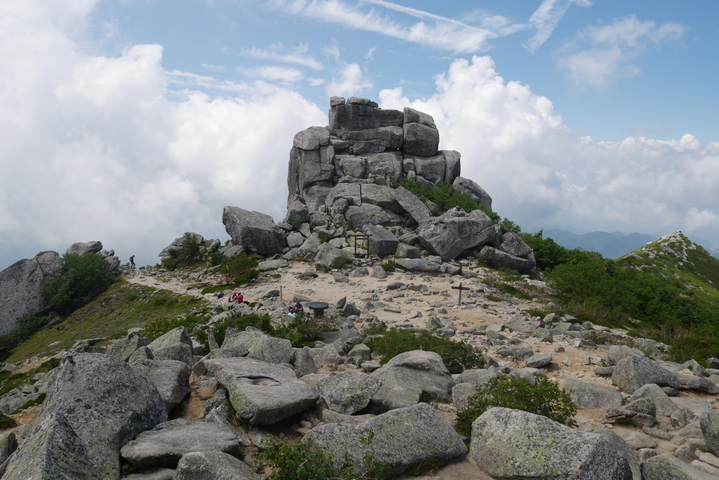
(20, 287)
(21, 283)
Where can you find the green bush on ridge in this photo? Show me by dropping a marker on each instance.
(544, 398)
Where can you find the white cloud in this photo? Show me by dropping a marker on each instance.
(332, 52)
(213, 68)
(601, 55)
(351, 81)
(297, 57)
(285, 76)
(103, 148)
(439, 32)
(539, 172)
(546, 18)
(697, 219)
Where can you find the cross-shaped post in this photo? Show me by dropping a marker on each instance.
(460, 288)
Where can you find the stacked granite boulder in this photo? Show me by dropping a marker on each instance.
(347, 175)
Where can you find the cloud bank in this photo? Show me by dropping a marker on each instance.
(118, 149)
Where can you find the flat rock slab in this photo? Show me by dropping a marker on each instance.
(260, 392)
(591, 395)
(213, 466)
(168, 442)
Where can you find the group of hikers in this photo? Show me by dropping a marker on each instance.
(295, 309)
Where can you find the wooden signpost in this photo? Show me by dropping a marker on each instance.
(460, 288)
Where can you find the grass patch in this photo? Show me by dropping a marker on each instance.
(10, 381)
(445, 196)
(122, 306)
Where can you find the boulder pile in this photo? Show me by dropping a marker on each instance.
(111, 407)
(346, 178)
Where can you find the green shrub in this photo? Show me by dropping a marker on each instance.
(6, 422)
(341, 262)
(82, 279)
(241, 322)
(302, 462)
(303, 331)
(239, 269)
(509, 226)
(445, 196)
(457, 356)
(26, 327)
(543, 398)
(194, 325)
(389, 266)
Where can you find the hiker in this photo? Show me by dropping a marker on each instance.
(291, 312)
(299, 308)
(132, 261)
(541, 323)
(240, 298)
(233, 298)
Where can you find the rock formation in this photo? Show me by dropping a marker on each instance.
(21, 283)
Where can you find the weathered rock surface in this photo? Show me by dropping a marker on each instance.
(20, 288)
(173, 345)
(410, 377)
(167, 442)
(668, 467)
(55, 451)
(260, 392)
(254, 232)
(97, 403)
(348, 392)
(591, 395)
(170, 377)
(213, 466)
(398, 439)
(125, 347)
(455, 231)
(513, 443)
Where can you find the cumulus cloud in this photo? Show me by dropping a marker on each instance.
(106, 148)
(601, 55)
(538, 172)
(351, 81)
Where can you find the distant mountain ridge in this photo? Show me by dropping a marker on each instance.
(609, 244)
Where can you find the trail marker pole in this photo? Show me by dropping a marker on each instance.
(460, 288)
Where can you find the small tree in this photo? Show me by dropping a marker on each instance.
(83, 278)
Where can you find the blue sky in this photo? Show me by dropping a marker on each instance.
(133, 121)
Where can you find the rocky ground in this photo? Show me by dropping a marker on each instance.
(434, 294)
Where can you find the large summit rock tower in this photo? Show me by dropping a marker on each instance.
(347, 172)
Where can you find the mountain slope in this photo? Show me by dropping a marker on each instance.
(610, 245)
(676, 257)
